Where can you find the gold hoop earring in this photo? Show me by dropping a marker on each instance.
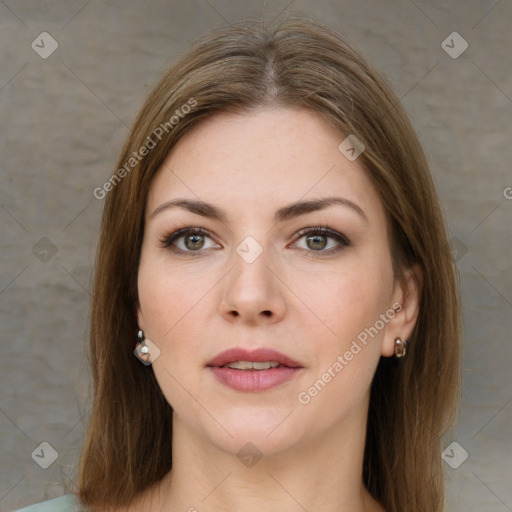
(400, 347)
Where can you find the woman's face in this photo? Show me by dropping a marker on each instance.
(258, 282)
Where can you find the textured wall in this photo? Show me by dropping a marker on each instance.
(64, 117)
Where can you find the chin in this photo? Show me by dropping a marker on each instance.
(249, 440)
(259, 428)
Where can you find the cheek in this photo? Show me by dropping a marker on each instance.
(346, 355)
(169, 296)
(170, 317)
(348, 301)
(346, 347)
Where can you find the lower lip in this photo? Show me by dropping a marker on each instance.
(253, 381)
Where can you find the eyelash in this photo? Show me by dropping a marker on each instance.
(168, 240)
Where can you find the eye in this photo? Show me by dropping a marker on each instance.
(317, 239)
(187, 241)
(192, 241)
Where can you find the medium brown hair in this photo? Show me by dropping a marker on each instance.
(298, 63)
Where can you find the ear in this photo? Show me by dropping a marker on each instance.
(406, 304)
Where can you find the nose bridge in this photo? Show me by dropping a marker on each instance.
(252, 289)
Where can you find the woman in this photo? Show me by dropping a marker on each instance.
(275, 314)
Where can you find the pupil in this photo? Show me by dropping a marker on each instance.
(316, 237)
(196, 244)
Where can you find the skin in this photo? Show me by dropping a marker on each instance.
(192, 307)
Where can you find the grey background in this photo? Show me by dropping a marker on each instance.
(63, 120)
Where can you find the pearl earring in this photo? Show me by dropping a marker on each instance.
(142, 350)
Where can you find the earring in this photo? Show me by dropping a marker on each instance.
(400, 347)
(142, 350)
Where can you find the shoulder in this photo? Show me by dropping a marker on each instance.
(67, 503)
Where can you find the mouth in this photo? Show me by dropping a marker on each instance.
(252, 365)
(258, 359)
(253, 371)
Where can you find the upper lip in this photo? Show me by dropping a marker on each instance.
(257, 355)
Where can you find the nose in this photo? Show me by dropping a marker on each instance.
(253, 291)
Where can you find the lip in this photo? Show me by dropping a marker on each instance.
(253, 380)
(258, 355)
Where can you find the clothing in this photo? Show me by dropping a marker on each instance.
(67, 503)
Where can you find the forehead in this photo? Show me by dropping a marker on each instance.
(266, 158)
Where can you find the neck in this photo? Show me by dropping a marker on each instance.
(323, 475)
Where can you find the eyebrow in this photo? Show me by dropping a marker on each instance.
(286, 213)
